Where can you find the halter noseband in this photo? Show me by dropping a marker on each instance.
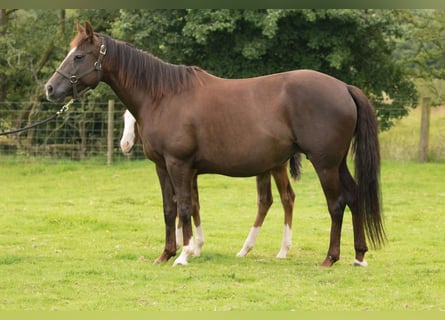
(74, 79)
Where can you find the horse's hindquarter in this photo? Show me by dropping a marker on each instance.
(323, 115)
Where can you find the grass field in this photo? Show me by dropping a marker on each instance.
(82, 236)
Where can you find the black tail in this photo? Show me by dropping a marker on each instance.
(295, 166)
(367, 167)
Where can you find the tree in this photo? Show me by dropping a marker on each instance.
(4, 23)
(24, 61)
(355, 46)
(423, 49)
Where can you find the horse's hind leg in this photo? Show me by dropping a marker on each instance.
(199, 239)
(182, 177)
(350, 191)
(264, 193)
(332, 188)
(287, 196)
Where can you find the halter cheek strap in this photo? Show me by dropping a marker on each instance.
(74, 79)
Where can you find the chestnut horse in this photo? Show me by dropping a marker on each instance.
(192, 122)
(130, 137)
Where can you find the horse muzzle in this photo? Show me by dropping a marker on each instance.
(57, 88)
(60, 92)
(53, 94)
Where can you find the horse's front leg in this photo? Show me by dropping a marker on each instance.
(170, 210)
(196, 220)
(182, 178)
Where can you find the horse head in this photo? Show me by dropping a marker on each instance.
(82, 67)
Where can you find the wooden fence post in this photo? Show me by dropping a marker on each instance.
(424, 129)
(110, 132)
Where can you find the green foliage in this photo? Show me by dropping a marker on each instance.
(155, 31)
(21, 55)
(353, 45)
(423, 49)
(426, 43)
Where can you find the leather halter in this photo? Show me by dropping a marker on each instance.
(74, 79)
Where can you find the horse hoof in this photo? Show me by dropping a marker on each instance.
(179, 263)
(156, 263)
(181, 260)
(360, 263)
(159, 260)
(196, 253)
(328, 262)
(243, 252)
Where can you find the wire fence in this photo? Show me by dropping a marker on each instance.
(79, 134)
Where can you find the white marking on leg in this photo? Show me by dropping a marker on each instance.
(187, 251)
(360, 263)
(250, 242)
(287, 242)
(179, 237)
(128, 137)
(199, 241)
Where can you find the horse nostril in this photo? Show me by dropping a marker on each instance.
(49, 88)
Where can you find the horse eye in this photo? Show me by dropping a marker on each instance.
(78, 57)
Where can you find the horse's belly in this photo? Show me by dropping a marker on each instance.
(245, 162)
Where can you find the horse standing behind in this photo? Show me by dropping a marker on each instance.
(192, 122)
(130, 137)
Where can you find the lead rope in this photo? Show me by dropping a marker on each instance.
(62, 110)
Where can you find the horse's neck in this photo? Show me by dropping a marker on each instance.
(133, 100)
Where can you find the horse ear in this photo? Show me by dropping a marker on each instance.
(80, 29)
(89, 30)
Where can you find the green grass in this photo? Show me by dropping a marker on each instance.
(81, 236)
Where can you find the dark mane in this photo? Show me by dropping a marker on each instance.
(139, 69)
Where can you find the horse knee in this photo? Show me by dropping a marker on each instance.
(169, 216)
(290, 193)
(336, 210)
(288, 198)
(265, 202)
(185, 217)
